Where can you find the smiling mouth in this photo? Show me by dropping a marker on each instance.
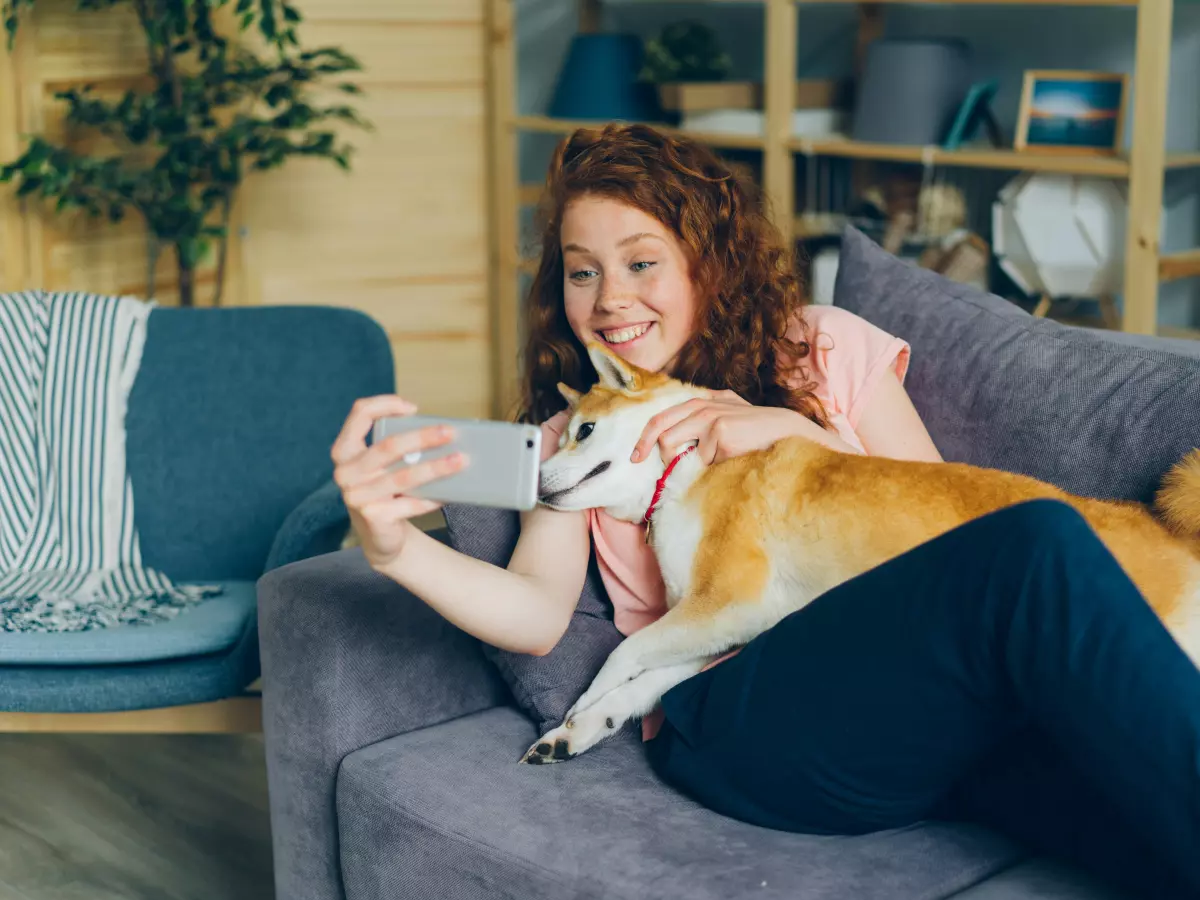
(552, 498)
(627, 334)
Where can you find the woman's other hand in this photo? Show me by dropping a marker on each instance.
(725, 425)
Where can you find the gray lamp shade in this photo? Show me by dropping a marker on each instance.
(910, 90)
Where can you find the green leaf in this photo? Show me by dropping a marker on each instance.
(191, 251)
(36, 156)
(29, 186)
(267, 22)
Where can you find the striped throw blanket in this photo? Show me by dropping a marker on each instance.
(69, 553)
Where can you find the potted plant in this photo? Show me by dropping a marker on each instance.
(229, 91)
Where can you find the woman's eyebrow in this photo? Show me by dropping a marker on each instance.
(627, 240)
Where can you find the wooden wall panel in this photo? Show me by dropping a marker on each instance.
(403, 236)
(13, 251)
(74, 47)
(413, 205)
(404, 54)
(60, 48)
(379, 12)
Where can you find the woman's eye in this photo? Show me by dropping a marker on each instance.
(638, 266)
(584, 430)
(581, 274)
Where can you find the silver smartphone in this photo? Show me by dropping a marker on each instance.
(503, 459)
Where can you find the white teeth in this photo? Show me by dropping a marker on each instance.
(625, 334)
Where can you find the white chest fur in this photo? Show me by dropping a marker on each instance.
(677, 529)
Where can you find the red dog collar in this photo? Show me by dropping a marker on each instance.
(662, 483)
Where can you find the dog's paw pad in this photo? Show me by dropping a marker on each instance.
(544, 752)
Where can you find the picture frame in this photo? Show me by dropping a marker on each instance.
(1072, 112)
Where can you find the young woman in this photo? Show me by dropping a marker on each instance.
(1007, 673)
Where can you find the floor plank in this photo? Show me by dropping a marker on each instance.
(133, 817)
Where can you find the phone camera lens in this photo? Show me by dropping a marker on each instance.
(529, 443)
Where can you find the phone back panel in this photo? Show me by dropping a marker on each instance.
(503, 461)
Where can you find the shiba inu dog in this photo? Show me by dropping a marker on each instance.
(743, 543)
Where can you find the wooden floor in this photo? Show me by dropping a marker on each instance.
(133, 817)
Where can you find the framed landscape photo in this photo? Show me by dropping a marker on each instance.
(1072, 112)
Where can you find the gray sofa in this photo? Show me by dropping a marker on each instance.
(392, 740)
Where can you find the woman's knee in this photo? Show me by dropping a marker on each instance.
(1043, 520)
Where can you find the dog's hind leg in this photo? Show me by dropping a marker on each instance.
(583, 730)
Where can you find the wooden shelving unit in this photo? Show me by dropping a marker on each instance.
(1143, 168)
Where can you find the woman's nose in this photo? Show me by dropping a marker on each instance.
(613, 296)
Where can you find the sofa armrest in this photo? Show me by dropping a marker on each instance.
(317, 525)
(349, 658)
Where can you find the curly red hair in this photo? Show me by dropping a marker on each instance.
(749, 294)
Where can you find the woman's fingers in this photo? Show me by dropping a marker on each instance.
(655, 429)
(391, 450)
(658, 424)
(352, 439)
(396, 483)
(382, 513)
(697, 427)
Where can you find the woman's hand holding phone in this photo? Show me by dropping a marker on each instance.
(375, 497)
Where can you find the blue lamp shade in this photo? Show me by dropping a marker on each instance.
(599, 80)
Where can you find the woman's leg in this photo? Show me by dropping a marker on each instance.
(1030, 790)
(866, 709)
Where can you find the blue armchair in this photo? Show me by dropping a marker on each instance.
(229, 427)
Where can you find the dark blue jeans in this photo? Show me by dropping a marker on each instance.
(1006, 673)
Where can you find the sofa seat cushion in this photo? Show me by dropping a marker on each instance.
(1040, 879)
(210, 626)
(446, 812)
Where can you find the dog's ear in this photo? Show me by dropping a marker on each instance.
(569, 394)
(614, 372)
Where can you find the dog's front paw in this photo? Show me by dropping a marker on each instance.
(554, 746)
(578, 734)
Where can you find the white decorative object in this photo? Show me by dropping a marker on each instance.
(824, 275)
(724, 121)
(1061, 235)
(809, 123)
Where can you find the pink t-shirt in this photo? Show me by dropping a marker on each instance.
(849, 355)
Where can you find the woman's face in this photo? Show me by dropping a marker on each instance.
(626, 281)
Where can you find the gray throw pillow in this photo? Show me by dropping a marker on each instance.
(545, 687)
(1100, 413)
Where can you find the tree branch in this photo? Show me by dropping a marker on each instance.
(223, 253)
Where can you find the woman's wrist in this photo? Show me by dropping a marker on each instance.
(827, 436)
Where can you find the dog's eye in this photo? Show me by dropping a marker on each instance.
(584, 430)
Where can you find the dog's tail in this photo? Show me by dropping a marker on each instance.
(1178, 499)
